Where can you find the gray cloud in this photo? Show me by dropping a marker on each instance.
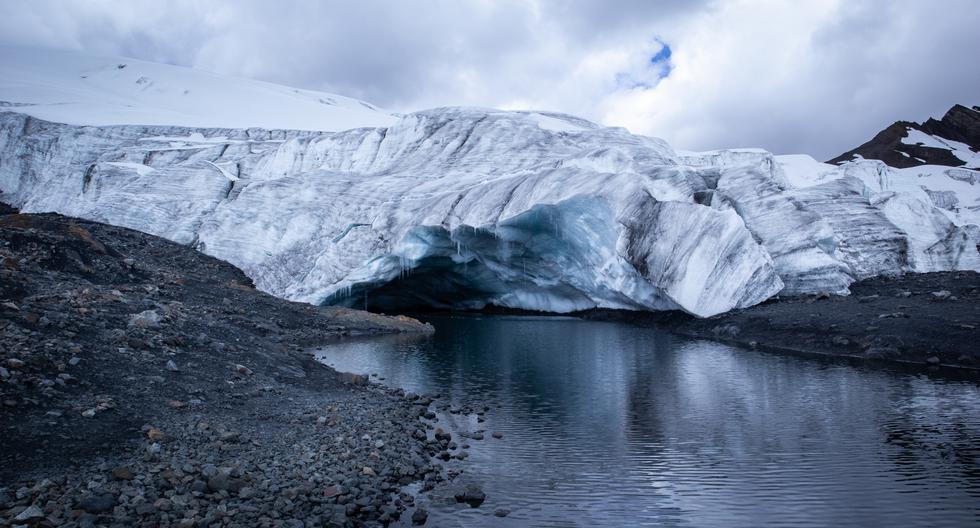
(816, 77)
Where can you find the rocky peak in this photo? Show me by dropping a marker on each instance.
(896, 146)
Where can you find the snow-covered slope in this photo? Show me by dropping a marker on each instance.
(81, 89)
(953, 141)
(464, 207)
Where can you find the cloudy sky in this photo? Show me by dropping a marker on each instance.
(791, 76)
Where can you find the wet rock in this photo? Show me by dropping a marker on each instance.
(501, 512)
(419, 516)
(471, 495)
(242, 369)
(497, 435)
(171, 366)
(933, 360)
(941, 295)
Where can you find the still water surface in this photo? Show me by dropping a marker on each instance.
(608, 424)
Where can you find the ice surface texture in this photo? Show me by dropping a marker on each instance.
(462, 207)
(341, 202)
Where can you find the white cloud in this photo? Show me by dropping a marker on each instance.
(808, 76)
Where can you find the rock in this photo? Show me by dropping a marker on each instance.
(145, 319)
(224, 481)
(163, 504)
(332, 491)
(442, 435)
(122, 473)
(369, 471)
(75, 360)
(242, 369)
(941, 295)
(88, 413)
(379, 444)
(471, 495)
(419, 516)
(102, 503)
(155, 435)
(15, 363)
(4, 373)
(867, 298)
(246, 492)
(932, 360)
(31, 514)
(497, 435)
(501, 512)
(171, 366)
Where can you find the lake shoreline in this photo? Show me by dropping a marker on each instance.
(927, 320)
(145, 382)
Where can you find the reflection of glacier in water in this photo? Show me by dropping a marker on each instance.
(609, 424)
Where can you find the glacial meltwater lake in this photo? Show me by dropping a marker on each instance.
(609, 424)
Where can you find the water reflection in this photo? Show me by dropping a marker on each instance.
(609, 424)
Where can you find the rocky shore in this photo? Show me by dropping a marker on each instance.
(925, 319)
(145, 384)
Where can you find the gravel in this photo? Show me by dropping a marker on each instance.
(146, 384)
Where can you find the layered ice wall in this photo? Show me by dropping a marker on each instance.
(463, 207)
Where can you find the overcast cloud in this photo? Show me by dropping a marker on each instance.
(790, 76)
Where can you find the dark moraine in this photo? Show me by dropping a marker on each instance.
(605, 423)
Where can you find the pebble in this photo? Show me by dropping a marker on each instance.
(145, 319)
(171, 366)
(122, 473)
(32, 513)
(98, 503)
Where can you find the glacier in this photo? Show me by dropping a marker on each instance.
(468, 207)
(462, 208)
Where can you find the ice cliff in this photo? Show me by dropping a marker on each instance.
(465, 207)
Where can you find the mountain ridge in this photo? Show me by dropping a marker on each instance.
(897, 146)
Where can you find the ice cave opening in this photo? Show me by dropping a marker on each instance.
(553, 257)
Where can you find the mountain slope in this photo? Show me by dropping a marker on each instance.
(81, 89)
(952, 141)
